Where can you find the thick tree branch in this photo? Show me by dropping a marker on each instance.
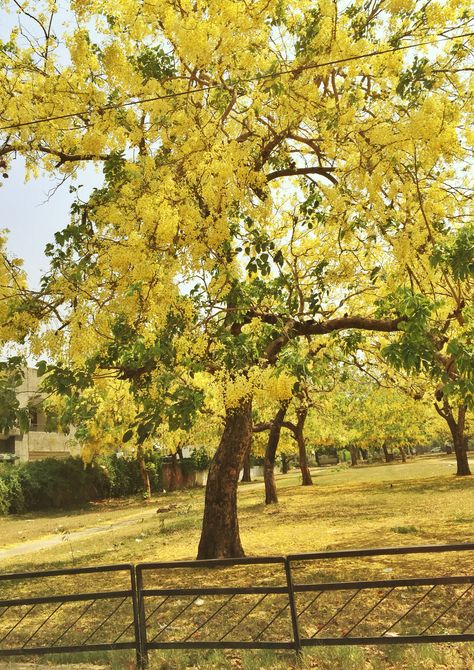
(261, 427)
(68, 158)
(294, 329)
(293, 172)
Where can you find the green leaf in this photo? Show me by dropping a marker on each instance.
(127, 435)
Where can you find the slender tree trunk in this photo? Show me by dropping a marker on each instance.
(386, 454)
(220, 536)
(246, 477)
(353, 451)
(457, 426)
(174, 476)
(284, 464)
(305, 473)
(403, 454)
(460, 442)
(144, 472)
(270, 453)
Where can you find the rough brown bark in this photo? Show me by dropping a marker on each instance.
(271, 495)
(220, 536)
(144, 472)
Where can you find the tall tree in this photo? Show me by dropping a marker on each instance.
(200, 113)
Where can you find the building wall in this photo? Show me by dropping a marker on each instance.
(37, 443)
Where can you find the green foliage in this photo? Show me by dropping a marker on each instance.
(457, 255)
(200, 459)
(114, 167)
(55, 484)
(155, 63)
(11, 414)
(415, 349)
(415, 79)
(307, 31)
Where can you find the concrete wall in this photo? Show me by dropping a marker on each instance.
(38, 443)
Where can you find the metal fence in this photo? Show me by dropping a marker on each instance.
(251, 603)
(56, 611)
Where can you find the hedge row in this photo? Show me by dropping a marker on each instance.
(51, 483)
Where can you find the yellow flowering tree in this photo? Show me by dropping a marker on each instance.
(263, 161)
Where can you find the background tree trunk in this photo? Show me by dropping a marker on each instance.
(220, 536)
(284, 464)
(305, 473)
(271, 495)
(353, 451)
(246, 477)
(403, 454)
(460, 442)
(457, 428)
(144, 472)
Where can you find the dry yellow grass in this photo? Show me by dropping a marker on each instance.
(420, 502)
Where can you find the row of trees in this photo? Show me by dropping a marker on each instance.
(285, 193)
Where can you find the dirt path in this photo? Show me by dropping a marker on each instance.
(48, 541)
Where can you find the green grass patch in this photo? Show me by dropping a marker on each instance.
(404, 530)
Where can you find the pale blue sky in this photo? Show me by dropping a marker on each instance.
(32, 218)
(25, 209)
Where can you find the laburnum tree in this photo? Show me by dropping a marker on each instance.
(379, 418)
(439, 340)
(314, 374)
(428, 366)
(262, 162)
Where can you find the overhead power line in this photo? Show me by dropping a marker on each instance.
(270, 75)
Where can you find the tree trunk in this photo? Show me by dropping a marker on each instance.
(284, 464)
(270, 453)
(246, 477)
(460, 443)
(460, 439)
(403, 454)
(386, 454)
(220, 536)
(174, 483)
(144, 472)
(305, 473)
(353, 451)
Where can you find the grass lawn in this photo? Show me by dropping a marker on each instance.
(420, 502)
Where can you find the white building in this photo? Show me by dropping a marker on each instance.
(37, 443)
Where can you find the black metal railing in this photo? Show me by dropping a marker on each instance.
(251, 603)
(52, 611)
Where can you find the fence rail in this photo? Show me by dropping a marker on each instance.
(277, 602)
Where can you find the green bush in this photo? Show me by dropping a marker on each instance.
(51, 483)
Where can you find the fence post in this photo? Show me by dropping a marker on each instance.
(293, 612)
(139, 618)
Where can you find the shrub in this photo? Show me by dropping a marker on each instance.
(51, 483)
